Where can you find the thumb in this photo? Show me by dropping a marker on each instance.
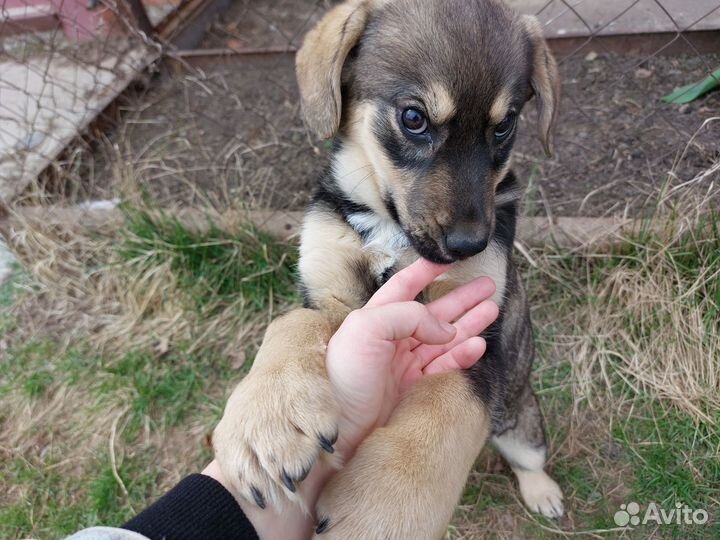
(402, 320)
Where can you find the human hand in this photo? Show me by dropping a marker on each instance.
(374, 357)
(383, 348)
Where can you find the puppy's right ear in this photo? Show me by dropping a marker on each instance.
(320, 60)
(545, 82)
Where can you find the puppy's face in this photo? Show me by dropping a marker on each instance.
(431, 95)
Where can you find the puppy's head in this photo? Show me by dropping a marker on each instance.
(425, 96)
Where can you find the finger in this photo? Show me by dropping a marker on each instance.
(462, 356)
(407, 283)
(460, 300)
(402, 320)
(471, 324)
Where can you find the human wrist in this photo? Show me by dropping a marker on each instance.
(290, 523)
(350, 435)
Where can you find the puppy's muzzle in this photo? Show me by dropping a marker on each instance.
(466, 239)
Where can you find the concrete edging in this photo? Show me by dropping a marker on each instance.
(570, 233)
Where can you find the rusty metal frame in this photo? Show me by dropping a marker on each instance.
(183, 29)
(140, 16)
(657, 43)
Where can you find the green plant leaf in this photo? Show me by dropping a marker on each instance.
(691, 92)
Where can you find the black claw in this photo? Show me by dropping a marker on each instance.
(327, 445)
(322, 526)
(303, 475)
(285, 477)
(259, 499)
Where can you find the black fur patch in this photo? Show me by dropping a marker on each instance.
(506, 214)
(386, 275)
(392, 209)
(489, 376)
(305, 295)
(331, 196)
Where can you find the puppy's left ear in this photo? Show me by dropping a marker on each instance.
(545, 82)
(320, 60)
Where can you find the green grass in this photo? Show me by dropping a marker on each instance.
(56, 505)
(206, 263)
(158, 395)
(37, 365)
(63, 481)
(674, 459)
(64, 485)
(660, 453)
(164, 391)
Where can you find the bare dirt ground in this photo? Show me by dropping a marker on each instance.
(231, 130)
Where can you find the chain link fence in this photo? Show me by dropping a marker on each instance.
(61, 63)
(221, 124)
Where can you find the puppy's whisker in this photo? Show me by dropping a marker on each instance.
(355, 171)
(360, 182)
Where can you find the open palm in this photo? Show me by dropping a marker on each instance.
(381, 350)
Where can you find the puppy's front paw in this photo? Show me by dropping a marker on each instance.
(541, 493)
(276, 424)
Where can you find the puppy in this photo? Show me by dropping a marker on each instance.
(423, 98)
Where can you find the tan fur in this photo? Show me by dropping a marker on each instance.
(405, 479)
(500, 106)
(491, 263)
(361, 167)
(545, 82)
(441, 106)
(320, 60)
(250, 453)
(329, 248)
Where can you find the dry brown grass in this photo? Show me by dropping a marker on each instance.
(83, 291)
(624, 338)
(651, 321)
(613, 329)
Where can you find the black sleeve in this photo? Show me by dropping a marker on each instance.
(198, 507)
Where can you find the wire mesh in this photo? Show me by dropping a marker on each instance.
(227, 129)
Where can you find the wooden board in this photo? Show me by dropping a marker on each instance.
(567, 233)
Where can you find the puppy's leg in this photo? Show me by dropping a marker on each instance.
(525, 450)
(406, 478)
(282, 416)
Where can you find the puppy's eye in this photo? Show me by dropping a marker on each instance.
(505, 128)
(414, 121)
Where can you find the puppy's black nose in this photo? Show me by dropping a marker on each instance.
(463, 242)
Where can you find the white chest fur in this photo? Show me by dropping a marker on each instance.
(387, 245)
(384, 242)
